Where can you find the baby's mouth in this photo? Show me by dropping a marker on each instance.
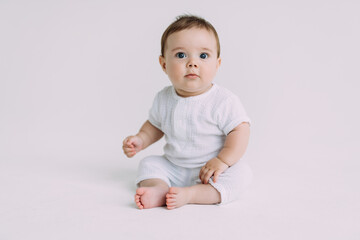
(192, 76)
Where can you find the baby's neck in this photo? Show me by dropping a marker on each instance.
(186, 94)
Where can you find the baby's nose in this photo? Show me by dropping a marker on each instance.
(192, 63)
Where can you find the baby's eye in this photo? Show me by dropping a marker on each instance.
(204, 55)
(181, 55)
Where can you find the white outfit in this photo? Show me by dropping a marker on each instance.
(195, 129)
(230, 184)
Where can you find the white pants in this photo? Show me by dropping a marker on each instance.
(230, 184)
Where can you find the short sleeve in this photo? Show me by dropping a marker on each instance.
(154, 113)
(231, 113)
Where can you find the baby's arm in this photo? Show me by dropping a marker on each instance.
(147, 135)
(234, 148)
(235, 144)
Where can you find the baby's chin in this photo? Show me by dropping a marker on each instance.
(192, 92)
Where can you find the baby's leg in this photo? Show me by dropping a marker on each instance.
(197, 194)
(233, 182)
(151, 193)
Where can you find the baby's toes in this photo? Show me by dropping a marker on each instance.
(138, 201)
(171, 205)
(140, 206)
(170, 201)
(170, 195)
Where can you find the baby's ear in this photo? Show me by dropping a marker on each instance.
(218, 63)
(162, 63)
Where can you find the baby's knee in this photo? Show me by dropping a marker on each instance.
(153, 167)
(233, 182)
(151, 161)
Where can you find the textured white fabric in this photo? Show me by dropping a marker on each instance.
(195, 128)
(231, 183)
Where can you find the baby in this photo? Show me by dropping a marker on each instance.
(206, 127)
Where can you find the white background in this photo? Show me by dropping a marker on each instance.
(76, 77)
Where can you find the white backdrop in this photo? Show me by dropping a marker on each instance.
(76, 77)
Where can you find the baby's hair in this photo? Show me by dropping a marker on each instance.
(186, 22)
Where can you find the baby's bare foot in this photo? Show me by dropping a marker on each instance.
(177, 197)
(150, 197)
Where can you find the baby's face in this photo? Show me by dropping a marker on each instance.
(190, 60)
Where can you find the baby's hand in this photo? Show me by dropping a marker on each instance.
(132, 145)
(213, 167)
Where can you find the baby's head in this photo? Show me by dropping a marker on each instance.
(186, 22)
(190, 55)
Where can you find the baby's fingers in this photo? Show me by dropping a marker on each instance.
(126, 140)
(201, 172)
(127, 148)
(129, 141)
(207, 176)
(203, 175)
(130, 153)
(216, 175)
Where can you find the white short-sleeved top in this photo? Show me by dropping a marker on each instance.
(195, 127)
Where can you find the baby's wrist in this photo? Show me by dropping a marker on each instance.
(141, 139)
(223, 161)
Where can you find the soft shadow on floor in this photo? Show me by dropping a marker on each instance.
(103, 171)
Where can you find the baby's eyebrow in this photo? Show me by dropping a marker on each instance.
(206, 49)
(177, 48)
(181, 48)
